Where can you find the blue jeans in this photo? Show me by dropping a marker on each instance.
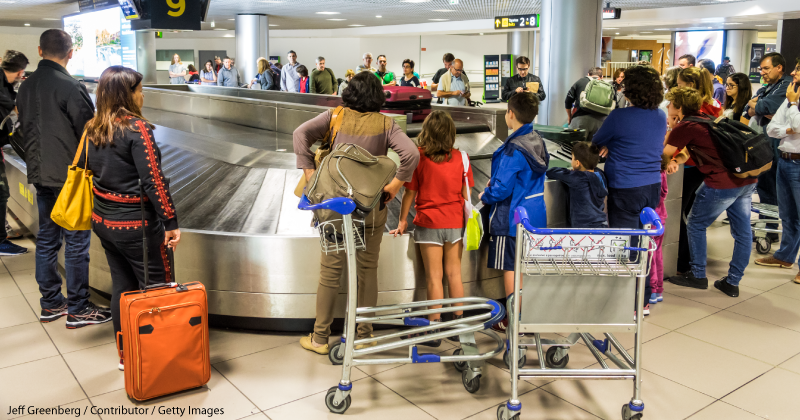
(708, 205)
(76, 257)
(789, 210)
(767, 183)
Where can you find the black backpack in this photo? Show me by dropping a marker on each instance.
(276, 79)
(743, 152)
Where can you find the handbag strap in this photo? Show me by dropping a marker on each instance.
(144, 238)
(465, 162)
(80, 149)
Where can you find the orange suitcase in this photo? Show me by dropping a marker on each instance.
(165, 338)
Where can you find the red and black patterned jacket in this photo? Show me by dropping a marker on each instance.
(118, 167)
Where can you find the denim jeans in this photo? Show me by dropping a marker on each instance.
(789, 210)
(708, 205)
(767, 183)
(76, 257)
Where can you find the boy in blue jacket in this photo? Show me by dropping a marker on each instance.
(517, 179)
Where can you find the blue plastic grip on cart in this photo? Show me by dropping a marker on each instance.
(423, 358)
(636, 408)
(340, 205)
(514, 407)
(416, 322)
(601, 345)
(346, 388)
(550, 248)
(648, 216)
(498, 314)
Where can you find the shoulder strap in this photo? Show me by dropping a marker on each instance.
(80, 149)
(465, 163)
(600, 177)
(337, 116)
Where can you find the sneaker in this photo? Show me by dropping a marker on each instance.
(727, 288)
(8, 248)
(653, 298)
(91, 315)
(646, 310)
(501, 326)
(689, 280)
(432, 343)
(50, 315)
(305, 342)
(11, 234)
(660, 297)
(773, 262)
(797, 278)
(121, 365)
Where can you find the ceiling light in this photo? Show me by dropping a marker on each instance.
(763, 25)
(645, 32)
(7, 1)
(220, 29)
(378, 16)
(213, 24)
(355, 24)
(732, 23)
(271, 1)
(414, 1)
(27, 24)
(338, 20)
(662, 29)
(272, 24)
(228, 36)
(610, 28)
(328, 13)
(710, 26)
(60, 19)
(444, 10)
(616, 33)
(231, 19)
(481, 33)
(439, 20)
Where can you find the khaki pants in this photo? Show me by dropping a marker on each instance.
(333, 265)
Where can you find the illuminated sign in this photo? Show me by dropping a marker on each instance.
(612, 13)
(516, 22)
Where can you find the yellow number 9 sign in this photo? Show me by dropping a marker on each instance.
(179, 7)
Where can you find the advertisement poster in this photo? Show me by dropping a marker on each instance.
(757, 51)
(100, 39)
(701, 44)
(606, 44)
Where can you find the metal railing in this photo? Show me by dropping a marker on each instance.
(612, 66)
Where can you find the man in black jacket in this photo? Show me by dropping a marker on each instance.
(582, 118)
(13, 66)
(519, 82)
(53, 109)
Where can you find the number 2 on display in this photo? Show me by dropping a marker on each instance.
(180, 5)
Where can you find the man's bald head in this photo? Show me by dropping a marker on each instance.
(457, 68)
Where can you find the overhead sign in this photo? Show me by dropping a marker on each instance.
(175, 14)
(91, 5)
(516, 22)
(612, 13)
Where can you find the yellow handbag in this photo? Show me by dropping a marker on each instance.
(73, 209)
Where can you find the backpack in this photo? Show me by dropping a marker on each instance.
(743, 152)
(350, 171)
(598, 97)
(276, 79)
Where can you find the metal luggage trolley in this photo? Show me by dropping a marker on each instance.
(346, 235)
(760, 229)
(578, 281)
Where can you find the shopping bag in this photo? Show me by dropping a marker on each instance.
(473, 223)
(73, 208)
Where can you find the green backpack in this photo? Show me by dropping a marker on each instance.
(598, 97)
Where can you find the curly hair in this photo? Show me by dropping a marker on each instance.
(438, 136)
(364, 93)
(687, 99)
(643, 87)
(671, 77)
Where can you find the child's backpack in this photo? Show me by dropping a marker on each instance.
(743, 152)
(276, 79)
(598, 97)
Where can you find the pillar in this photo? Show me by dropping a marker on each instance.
(252, 40)
(522, 43)
(788, 42)
(571, 32)
(146, 56)
(738, 48)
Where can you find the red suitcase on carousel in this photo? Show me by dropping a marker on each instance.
(407, 99)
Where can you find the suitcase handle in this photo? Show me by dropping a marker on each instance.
(170, 253)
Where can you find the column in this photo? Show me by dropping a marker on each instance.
(252, 40)
(146, 56)
(738, 46)
(571, 32)
(521, 43)
(789, 42)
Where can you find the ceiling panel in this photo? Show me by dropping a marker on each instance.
(301, 14)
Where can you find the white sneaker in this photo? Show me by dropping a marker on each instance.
(121, 365)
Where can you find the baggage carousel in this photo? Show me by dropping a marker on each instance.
(245, 239)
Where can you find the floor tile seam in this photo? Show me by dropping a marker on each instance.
(250, 354)
(777, 294)
(237, 389)
(730, 350)
(91, 347)
(742, 386)
(692, 322)
(678, 383)
(580, 408)
(787, 370)
(761, 292)
(303, 397)
(399, 364)
(24, 323)
(767, 322)
(698, 411)
(401, 396)
(487, 409)
(29, 361)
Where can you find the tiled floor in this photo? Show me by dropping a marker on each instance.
(706, 356)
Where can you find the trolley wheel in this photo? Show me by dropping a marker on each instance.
(763, 245)
(460, 366)
(471, 386)
(627, 414)
(333, 355)
(336, 409)
(550, 359)
(500, 413)
(520, 363)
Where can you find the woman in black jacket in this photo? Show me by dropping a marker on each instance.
(123, 155)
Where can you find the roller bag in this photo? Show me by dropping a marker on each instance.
(165, 337)
(407, 99)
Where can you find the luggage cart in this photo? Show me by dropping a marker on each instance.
(346, 235)
(578, 281)
(760, 229)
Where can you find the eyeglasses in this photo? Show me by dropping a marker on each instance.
(523, 68)
(382, 61)
(457, 70)
(731, 86)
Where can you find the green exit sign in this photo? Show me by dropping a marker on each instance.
(159, 34)
(453, 1)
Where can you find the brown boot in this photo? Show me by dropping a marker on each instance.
(773, 262)
(797, 278)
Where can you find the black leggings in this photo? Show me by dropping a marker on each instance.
(692, 179)
(122, 241)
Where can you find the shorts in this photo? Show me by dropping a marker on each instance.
(437, 236)
(502, 250)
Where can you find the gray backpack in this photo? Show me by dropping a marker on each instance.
(598, 97)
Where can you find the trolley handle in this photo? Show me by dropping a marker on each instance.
(648, 216)
(340, 205)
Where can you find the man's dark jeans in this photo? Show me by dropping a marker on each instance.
(767, 185)
(76, 257)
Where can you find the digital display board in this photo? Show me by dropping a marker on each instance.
(100, 39)
(516, 22)
(612, 13)
(701, 44)
(129, 9)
